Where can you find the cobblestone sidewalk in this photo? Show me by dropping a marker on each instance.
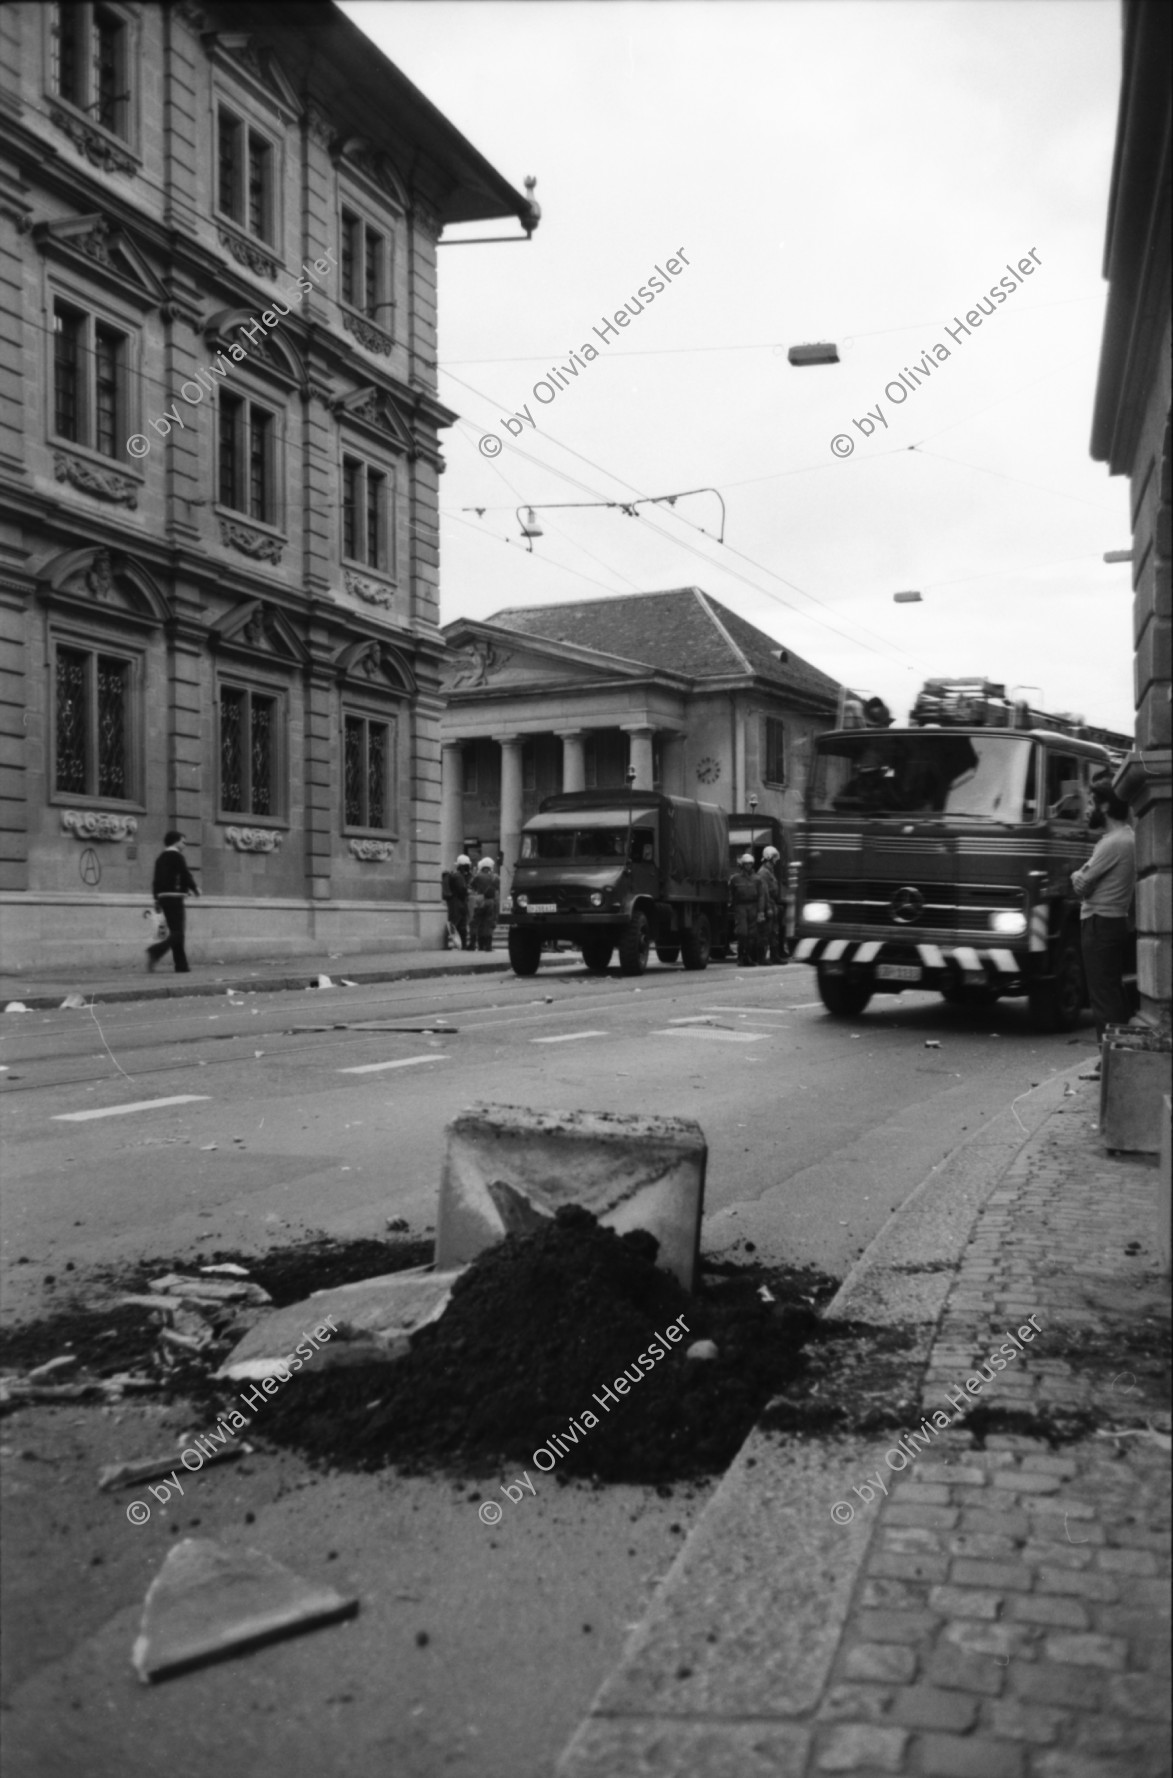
(1012, 1616)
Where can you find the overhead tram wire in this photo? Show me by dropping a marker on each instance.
(849, 333)
(857, 640)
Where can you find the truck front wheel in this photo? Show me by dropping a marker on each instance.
(596, 951)
(635, 942)
(696, 944)
(1055, 1005)
(844, 998)
(525, 951)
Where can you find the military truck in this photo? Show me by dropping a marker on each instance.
(939, 855)
(620, 869)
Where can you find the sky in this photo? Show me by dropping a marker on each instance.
(861, 173)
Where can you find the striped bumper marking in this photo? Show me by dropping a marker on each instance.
(1003, 960)
(869, 952)
(1038, 929)
(806, 947)
(967, 958)
(835, 949)
(931, 956)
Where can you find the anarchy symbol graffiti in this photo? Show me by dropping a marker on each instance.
(90, 867)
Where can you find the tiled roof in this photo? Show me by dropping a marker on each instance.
(682, 631)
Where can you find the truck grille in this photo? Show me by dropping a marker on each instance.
(910, 907)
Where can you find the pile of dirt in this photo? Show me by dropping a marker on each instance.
(537, 1332)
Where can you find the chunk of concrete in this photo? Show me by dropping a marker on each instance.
(632, 1171)
(208, 1601)
(373, 1319)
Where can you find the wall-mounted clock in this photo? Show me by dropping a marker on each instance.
(708, 770)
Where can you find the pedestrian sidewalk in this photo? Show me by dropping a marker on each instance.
(1003, 1610)
(261, 975)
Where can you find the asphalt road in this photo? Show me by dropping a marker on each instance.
(474, 1654)
(817, 1129)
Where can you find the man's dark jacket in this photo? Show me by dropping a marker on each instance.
(172, 876)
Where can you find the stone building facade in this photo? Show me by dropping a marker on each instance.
(674, 685)
(219, 457)
(1131, 434)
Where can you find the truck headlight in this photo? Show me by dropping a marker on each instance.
(521, 901)
(816, 911)
(1008, 920)
(596, 899)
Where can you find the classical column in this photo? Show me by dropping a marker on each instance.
(451, 801)
(641, 753)
(573, 758)
(510, 746)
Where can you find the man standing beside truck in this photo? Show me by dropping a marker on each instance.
(767, 951)
(1105, 886)
(748, 902)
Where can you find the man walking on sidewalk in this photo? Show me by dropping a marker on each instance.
(173, 882)
(1105, 886)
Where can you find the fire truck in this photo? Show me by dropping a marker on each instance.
(939, 855)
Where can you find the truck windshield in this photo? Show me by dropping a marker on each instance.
(931, 772)
(587, 842)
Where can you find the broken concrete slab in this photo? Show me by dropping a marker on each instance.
(123, 1475)
(632, 1171)
(208, 1602)
(209, 1290)
(374, 1319)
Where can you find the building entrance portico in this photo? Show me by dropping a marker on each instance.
(663, 691)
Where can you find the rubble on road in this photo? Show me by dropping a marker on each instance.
(375, 1319)
(208, 1602)
(539, 1325)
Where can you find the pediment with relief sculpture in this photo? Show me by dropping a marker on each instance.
(476, 660)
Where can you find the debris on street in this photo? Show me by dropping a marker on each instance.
(208, 1602)
(123, 1475)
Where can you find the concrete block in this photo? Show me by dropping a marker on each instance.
(1134, 1079)
(507, 1168)
(207, 1602)
(371, 1319)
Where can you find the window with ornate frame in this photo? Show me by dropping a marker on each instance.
(367, 530)
(773, 750)
(366, 269)
(246, 175)
(90, 396)
(250, 751)
(91, 64)
(247, 458)
(95, 720)
(369, 773)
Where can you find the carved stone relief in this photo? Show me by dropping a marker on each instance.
(372, 851)
(87, 824)
(253, 839)
(257, 544)
(255, 258)
(104, 484)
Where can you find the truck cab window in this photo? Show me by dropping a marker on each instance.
(1065, 791)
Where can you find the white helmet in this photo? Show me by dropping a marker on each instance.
(771, 855)
(746, 858)
(485, 864)
(463, 860)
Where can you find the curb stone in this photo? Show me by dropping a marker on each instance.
(957, 1628)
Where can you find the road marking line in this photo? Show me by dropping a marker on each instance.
(715, 1036)
(806, 1006)
(78, 1117)
(569, 1037)
(775, 1012)
(377, 1067)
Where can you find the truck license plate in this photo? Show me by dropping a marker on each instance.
(898, 972)
(551, 907)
